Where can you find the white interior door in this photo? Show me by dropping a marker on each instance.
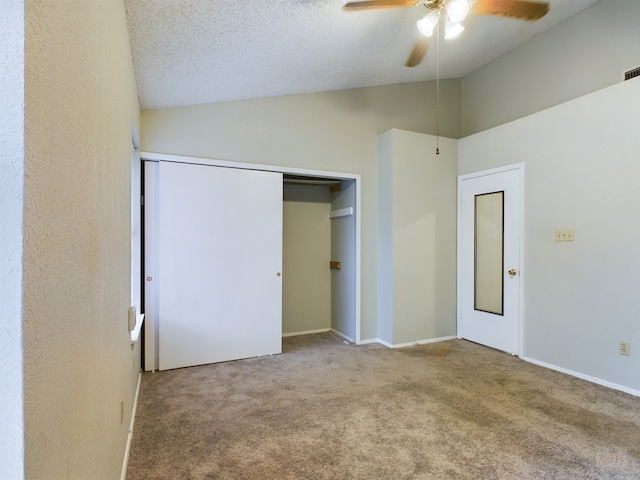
(219, 261)
(489, 248)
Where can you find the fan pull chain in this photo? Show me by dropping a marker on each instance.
(438, 89)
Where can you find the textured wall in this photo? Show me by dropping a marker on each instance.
(11, 201)
(581, 172)
(334, 131)
(579, 56)
(79, 107)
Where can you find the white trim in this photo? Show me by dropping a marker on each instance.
(136, 231)
(135, 138)
(150, 262)
(340, 334)
(157, 157)
(135, 333)
(369, 341)
(125, 462)
(342, 212)
(358, 255)
(491, 171)
(516, 166)
(588, 378)
(322, 330)
(418, 342)
(305, 332)
(382, 342)
(521, 319)
(459, 283)
(212, 162)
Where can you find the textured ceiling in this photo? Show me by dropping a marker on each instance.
(189, 52)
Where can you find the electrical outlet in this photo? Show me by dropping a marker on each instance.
(624, 348)
(564, 235)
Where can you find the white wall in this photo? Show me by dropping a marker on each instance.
(581, 55)
(332, 131)
(344, 239)
(80, 101)
(417, 253)
(582, 172)
(306, 252)
(11, 205)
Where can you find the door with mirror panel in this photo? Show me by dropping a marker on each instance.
(489, 252)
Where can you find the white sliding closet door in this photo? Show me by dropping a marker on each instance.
(219, 263)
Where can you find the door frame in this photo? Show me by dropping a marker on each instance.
(461, 281)
(151, 308)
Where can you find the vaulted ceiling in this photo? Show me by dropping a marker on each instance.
(189, 52)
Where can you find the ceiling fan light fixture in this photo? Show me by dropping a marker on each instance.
(457, 10)
(427, 24)
(452, 30)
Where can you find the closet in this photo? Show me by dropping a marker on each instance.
(214, 263)
(319, 256)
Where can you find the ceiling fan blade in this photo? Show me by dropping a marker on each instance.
(419, 51)
(378, 4)
(518, 9)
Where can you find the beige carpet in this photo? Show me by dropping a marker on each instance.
(326, 410)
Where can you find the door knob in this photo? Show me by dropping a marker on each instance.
(512, 272)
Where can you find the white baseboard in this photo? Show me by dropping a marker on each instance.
(340, 334)
(368, 341)
(417, 342)
(319, 330)
(589, 378)
(428, 340)
(123, 476)
(306, 332)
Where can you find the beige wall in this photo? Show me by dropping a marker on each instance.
(306, 252)
(80, 102)
(417, 253)
(332, 131)
(581, 55)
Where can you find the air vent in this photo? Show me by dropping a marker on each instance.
(635, 72)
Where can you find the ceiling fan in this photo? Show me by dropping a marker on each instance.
(452, 13)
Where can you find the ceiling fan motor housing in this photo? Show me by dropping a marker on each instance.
(457, 10)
